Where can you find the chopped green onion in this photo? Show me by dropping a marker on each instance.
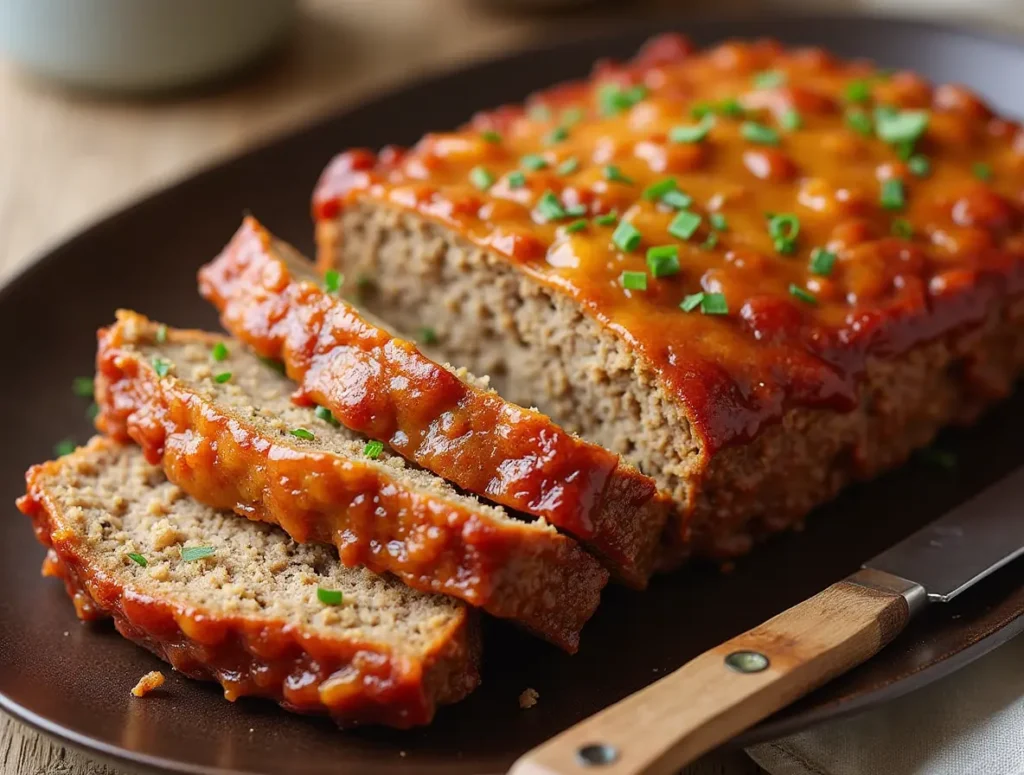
(858, 91)
(138, 559)
(626, 237)
(893, 197)
(701, 109)
(64, 447)
(634, 281)
(329, 596)
(900, 126)
(550, 207)
(161, 333)
(614, 174)
(663, 260)
(718, 221)
(692, 134)
(684, 225)
(981, 171)
(92, 411)
(490, 136)
(219, 352)
(709, 303)
(691, 302)
(572, 116)
(709, 241)
(427, 335)
(568, 166)
(325, 414)
(481, 177)
(769, 79)
(658, 189)
(905, 149)
(577, 225)
(373, 449)
(822, 262)
(859, 121)
(516, 179)
(193, 553)
(576, 210)
(799, 293)
(82, 387)
(302, 433)
(784, 229)
(731, 107)
(332, 284)
(161, 367)
(224, 376)
(556, 135)
(791, 120)
(678, 200)
(533, 162)
(919, 165)
(539, 112)
(759, 133)
(614, 99)
(901, 227)
(606, 219)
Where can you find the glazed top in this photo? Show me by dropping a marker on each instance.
(755, 221)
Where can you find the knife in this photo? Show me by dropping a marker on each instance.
(722, 692)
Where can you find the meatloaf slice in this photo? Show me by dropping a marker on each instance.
(223, 426)
(754, 286)
(445, 421)
(234, 601)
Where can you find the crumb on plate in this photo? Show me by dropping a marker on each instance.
(148, 682)
(528, 698)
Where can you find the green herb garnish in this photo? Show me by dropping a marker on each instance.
(799, 293)
(550, 207)
(577, 225)
(663, 260)
(332, 284)
(718, 221)
(373, 449)
(769, 79)
(193, 553)
(857, 91)
(731, 107)
(901, 227)
(556, 135)
(900, 126)
(614, 99)
(92, 411)
(302, 433)
(614, 174)
(626, 237)
(784, 229)
(490, 136)
(822, 262)
(606, 219)
(138, 559)
(219, 352)
(701, 109)
(224, 376)
(893, 196)
(709, 303)
(759, 133)
(634, 281)
(516, 179)
(481, 178)
(427, 335)
(981, 171)
(161, 334)
(572, 116)
(329, 596)
(82, 387)
(684, 225)
(678, 200)
(859, 122)
(791, 120)
(161, 367)
(533, 162)
(919, 165)
(325, 414)
(692, 134)
(568, 166)
(64, 447)
(658, 189)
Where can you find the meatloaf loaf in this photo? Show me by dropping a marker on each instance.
(223, 426)
(444, 420)
(757, 273)
(234, 601)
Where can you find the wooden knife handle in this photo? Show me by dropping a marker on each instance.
(663, 727)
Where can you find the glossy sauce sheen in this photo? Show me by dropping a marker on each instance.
(887, 291)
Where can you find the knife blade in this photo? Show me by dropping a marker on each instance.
(723, 691)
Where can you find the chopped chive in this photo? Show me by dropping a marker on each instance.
(568, 166)
(427, 335)
(539, 112)
(138, 559)
(614, 174)
(701, 109)
(905, 149)
(302, 433)
(481, 177)
(901, 125)
(791, 120)
(684, 225)
(550, 207)
(626, 237)
(373, 449)
(714, 304)
(718, 221)
(731, 107)
(161, 334)
(332, 281)
(799, 293)
(572, 116)
(857, 91)
(901, 227)
(919, 165)
(784, 229)
(658, 189)
(606, 219)
(92, 411)
(556, 135)
(859, 121)
(490, 136)
(64, 447)
(981, 171)
(692, 134)
(82, 387)
(663, 260)
(759, 133)
(329, 596)
(219, 352)
(224, 376)
(613, 99)
(710, 241)
(516, 179)
(577, 225)
(533, 162)
(193, 553)
(769, 79)
(678, 200)
(691, 302)
(893, 197)
(161, 367)
(325, 414)
(822, 262)
(634, 281)
(576, 210)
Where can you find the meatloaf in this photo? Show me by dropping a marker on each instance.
(234, 601)
(444, 420)
(756, 273)
(223, 426)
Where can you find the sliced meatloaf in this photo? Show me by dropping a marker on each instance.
(224, 427)
(234, 601)
(757, 274)
(444, 420)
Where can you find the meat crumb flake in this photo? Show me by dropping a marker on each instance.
(148, 682)
(528, 698)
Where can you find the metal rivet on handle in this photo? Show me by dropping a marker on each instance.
(747, 661)
(596, 754)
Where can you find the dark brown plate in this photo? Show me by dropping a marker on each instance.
(72, 680)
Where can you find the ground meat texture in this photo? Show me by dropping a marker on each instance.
(837, 268)
(150, 682)
(237, 602)
(222, 424)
